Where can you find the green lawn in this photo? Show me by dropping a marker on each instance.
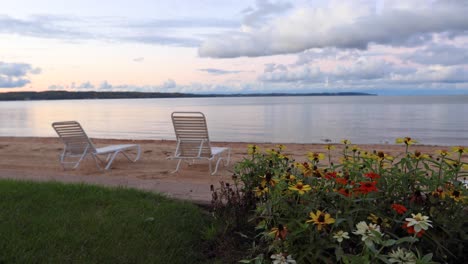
(76, 223)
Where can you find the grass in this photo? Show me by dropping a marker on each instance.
(77, 223)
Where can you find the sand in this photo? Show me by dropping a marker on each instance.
(38, 159)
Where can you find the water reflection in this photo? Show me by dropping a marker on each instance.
(432, 120)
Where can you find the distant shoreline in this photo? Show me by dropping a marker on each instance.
(65, 95)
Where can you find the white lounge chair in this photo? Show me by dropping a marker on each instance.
(78, 146)
(193, 142)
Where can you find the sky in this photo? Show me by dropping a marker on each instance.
(388, 47)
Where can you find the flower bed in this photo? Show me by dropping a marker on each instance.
(367, 208)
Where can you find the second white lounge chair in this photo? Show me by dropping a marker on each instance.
(193, 141)
(78, 146)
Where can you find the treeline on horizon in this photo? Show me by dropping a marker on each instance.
(66, 95)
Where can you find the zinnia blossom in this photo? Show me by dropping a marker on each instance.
(372, 175)
(340, 236)
(367, 187)
(300, 188)
(399, 208)
(410, 230)
(281, 258)
(368, 232)
(402, 256)
(320, 219)
(419, 222)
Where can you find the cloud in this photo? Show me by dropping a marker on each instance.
(139, 59)
(176, 32)
(263, 10)
(15, 75)
(348, 25)
(219, 71)
(443, 54)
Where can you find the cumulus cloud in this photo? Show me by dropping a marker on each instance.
(350, 25)
(139, 59)
(15, 75)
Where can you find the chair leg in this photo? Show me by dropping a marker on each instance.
(178, 165)
(112, 157)
(137, 156)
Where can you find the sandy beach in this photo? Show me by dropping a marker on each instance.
(38, 159)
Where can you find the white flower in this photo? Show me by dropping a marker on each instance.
(402, 256)
(367, 232)
(419, 222)
(340, 235)
(281, 259)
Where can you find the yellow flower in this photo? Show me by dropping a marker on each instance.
(355, 148)
(460, 149)
(443, 152)
(346, 142)
(300, 188)
(279, 232)
(383, 222)
(381, 156)
(456, 195)
(406, 140)
(315, 156)
(261, 190)
(306, 168)
(281, 147)
(253, 149)
(419, 155)
(439, 193)
(320, 219)
(289, 177)
(329, 147)
(268, 180)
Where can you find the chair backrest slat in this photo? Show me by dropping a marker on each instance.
(73, 136)
(192, 134)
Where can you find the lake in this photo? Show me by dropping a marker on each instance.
(439, 120)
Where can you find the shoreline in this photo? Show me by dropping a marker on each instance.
(37, 159)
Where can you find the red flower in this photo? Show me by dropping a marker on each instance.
(372, 175)
(367, 187)
(410, 230)
(400, 209)
(330, 175)
(345, 192)
(341, 181)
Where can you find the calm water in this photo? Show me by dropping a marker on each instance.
(439, 120)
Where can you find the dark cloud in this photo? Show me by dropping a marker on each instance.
(219, 71)
(15, 75)
(345, 25)
(443, 54)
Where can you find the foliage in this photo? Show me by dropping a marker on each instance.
(366, 208)
(76, 223)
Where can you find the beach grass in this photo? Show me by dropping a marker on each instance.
(77, 223)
